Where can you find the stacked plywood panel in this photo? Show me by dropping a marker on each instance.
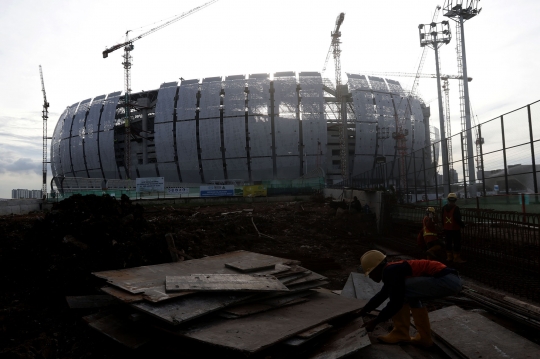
(243, 302)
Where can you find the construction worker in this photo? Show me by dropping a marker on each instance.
(406, 283)
(452, 224)
(429, 230)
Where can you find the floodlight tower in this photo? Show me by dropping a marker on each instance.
(461, 11)
(434, 35)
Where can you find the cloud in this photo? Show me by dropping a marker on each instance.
(21, 166)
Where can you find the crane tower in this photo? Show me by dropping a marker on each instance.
(128, 47)
(342, 112)
(45, 116)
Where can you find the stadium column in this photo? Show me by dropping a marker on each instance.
(197, 113)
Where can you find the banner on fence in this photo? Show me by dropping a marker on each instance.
(150, 184)
(255, 191)
(177, 190)
(217, 191)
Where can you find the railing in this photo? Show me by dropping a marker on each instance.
(502, 248)
(504, 162)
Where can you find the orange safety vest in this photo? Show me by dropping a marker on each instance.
(449, 220)
(423, 267)
(428, 235)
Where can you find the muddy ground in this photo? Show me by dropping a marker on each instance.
(45, 257)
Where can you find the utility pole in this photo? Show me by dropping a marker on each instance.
(434, 35)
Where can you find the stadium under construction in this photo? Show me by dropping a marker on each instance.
(239, 129)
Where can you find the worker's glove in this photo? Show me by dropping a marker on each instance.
(370, 326)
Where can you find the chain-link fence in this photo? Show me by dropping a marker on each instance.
(503, 162)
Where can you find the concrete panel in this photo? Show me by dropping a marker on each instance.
(386, 118)
(395, 87)
(210, 138)
(91, 148)
(64, 144)
(213, 170)
(288, 167)
(95, 173)
(378, 84)
(209, 122)
(234, 127)
(78, 136)
(259, 127)
(186, 131)
(314, 127)
(357, 81)
(148, 170)
(56, 164)
(237, 168)
(260, 134)
(106, 136)
(169, 171)
(234, 135)
(163, 123)
(261, 168)
(286, 124)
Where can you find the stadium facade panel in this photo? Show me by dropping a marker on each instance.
(249, 129)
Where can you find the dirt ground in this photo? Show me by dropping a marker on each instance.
(45, 257)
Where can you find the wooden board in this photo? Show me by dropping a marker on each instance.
(119, 329)
(150, 280)
(154, 295)
(381, 351)
(304, 337)
(222, 282)
(90, 301)
(312, 277)
(293, 277)
(475, 336)
(345, 341)
(362, 287)
(248, 266)
(258, 331)
(180, 310)
(308, 285)
(267, 304)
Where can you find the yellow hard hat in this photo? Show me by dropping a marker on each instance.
(452, 196)
(430, 209)
(370, 260)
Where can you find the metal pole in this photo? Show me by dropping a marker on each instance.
(415, 175)
(436, 175)
(441, 120)
(532, 150)
(470, 154)
(424, 167)
(463, 164)
(482, 160)
(504, 156)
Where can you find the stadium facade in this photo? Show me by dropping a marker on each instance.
(247, 129)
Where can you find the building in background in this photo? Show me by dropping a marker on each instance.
(25, 193)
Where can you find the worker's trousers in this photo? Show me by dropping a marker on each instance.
(425, 288)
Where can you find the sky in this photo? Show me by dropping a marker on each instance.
(233, 37)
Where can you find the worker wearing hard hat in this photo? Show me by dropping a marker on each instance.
(452, 224)
(405, 284)
(429, 236)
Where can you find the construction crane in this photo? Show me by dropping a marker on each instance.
(128, 47)
(45, 116)
(341, 118)
(400, 134)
